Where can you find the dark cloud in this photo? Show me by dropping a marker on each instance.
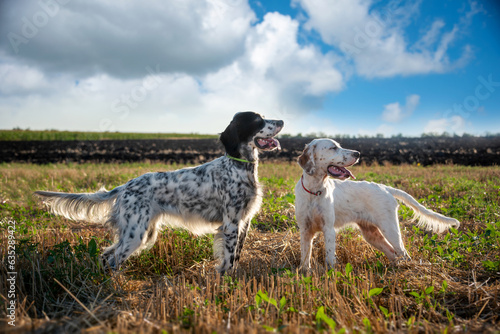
(123, 38)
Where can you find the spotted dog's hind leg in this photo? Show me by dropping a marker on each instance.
(108, 257)
(137, 231)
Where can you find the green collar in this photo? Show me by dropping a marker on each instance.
(240, 160)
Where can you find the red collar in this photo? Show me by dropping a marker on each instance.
(317, 193)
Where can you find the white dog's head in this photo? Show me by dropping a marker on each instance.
(326, 157)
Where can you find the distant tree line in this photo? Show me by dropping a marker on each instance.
(381, 135)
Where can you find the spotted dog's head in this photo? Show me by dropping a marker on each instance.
(323, 157)
(249, 131)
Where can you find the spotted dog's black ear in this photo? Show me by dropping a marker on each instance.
(230, 139)
(240, 131)
(306, 160)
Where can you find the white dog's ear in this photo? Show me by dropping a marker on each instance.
(306, 160)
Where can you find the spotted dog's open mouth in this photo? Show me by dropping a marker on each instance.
(267, 144)
(340, 172)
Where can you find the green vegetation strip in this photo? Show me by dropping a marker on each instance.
(28, 135)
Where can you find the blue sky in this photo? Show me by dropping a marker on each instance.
(355, 67)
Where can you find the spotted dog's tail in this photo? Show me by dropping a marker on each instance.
(427, 218)
(90, 207)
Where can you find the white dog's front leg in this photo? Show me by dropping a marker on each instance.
(306, 239)
(329, 233)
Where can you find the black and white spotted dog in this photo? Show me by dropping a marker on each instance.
(219, 197)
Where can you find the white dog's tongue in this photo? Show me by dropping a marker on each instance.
(350, 174)
(340, 172)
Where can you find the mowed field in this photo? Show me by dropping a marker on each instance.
(451, 285)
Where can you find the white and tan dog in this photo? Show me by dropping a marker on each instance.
(325, 205)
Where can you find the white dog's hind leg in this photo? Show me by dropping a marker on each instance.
(374, 237)
(386, 238)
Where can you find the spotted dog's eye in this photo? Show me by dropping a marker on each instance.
(334, 148)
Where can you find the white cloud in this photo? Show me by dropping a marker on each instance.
(412, 102)
(431, 36)
(376, 41)
(455, 124)
(395, 113)
(392, 112)
(385, 129)
(276, 73)
(19, 79)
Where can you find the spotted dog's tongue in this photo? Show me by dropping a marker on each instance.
(269, 143)
(340, 172)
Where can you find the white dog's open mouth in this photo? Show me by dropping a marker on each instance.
(267, 144)
(339, 172)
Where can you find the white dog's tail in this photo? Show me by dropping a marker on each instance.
(427, 218)
(90, 207)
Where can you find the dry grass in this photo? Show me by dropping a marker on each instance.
(61, 286)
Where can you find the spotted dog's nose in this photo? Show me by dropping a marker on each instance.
(355, 154)
(279, 125)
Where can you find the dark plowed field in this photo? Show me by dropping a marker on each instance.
(484, 151)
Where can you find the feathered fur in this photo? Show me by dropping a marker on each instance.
(424, 217)
(92, 207)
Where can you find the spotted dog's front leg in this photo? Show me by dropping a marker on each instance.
(225, 242)
(242, 235)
